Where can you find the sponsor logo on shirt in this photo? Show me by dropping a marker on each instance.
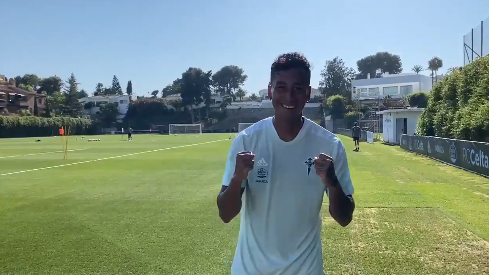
(261, 163)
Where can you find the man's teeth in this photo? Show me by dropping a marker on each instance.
(288, 106)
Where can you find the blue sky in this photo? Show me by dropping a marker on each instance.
(151, 42)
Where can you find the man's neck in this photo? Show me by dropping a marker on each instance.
(288, 129)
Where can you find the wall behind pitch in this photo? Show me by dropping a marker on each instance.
(469, 155)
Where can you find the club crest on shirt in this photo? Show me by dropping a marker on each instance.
(261, 172)
(309, 162)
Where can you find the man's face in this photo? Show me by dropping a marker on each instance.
(289, 92)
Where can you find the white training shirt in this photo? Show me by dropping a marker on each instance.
(280, 219)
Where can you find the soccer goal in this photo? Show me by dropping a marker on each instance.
(185, 129)
(243, 126)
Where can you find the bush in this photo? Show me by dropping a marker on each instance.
(336, 106)
(458, 106)
(418, 99)
(351, 118)
(31, 126)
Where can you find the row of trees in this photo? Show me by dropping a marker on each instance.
(53, 84)
(458, 106)
(336, 77)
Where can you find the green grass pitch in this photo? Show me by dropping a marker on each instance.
(148, 206)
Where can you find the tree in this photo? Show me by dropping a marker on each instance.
(99, 89)
(116, 86)
(73, 106)
(12, 82)
(418, 99)
(253, 97)
(155, 93)
(378, 64)
(82, 93)
(36, 108)
(417, 69)
(194, 84)
(26, 87)
(240, 93)
(108, 114)
(228, 79)
(336, 106)
(172, 89)
(129, 88)
(17, 80)
(434, 65)
(55, 104)
(31, 80)
(458, 106)
(336, 79)
(50, 85)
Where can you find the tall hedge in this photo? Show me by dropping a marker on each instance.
(458, 106)
(32, 126)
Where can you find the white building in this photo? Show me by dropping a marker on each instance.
(395, 85)
(216, 100)
(399, 121)
(122, 102)
(264, 93)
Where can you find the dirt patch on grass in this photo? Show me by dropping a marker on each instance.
(420, 239)
(482, 194)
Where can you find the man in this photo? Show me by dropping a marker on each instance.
(277, 173)
(356, 132)
(129, 134)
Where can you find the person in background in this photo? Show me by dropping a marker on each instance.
(129, 134)
(356, 132)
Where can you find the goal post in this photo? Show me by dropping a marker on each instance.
(185, 129)
(242, 126)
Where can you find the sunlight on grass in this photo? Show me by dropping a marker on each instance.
(155, 213)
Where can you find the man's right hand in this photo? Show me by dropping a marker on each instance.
(244, 164)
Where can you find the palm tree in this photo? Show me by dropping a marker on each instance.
(240, 93)
(434, 65)
(417, 69)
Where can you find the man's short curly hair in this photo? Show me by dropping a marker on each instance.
(287, 61)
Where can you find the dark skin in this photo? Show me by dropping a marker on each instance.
(289, 91)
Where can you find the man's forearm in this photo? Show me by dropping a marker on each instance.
(229, 201)
(341, 206)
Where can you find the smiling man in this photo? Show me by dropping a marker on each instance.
(277, 173)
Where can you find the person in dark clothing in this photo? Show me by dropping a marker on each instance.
(356, 133)
(129, 134)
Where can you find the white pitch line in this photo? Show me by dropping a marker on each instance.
(120, 156)
(38, 154)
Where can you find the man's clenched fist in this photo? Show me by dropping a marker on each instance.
(325, 170)
(244, 163)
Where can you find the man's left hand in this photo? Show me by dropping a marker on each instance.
(324, 166)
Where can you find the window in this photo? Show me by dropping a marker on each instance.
(100, 103)
(392, 90)
(362, 92)
(373, 92)
(405, 90)
(39, 100)
(122, 101)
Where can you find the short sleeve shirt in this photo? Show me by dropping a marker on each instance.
(280, 216)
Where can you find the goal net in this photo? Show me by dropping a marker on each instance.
(185, 129)
(243, 126)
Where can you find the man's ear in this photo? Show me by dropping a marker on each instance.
(308, 93)
(270, 91)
